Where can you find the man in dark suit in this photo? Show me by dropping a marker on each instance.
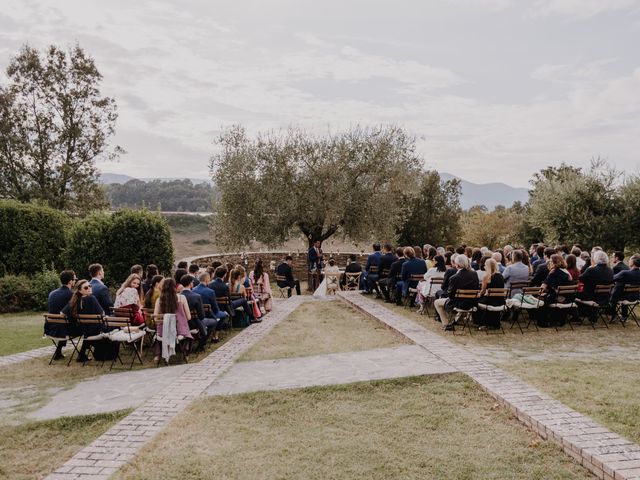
(285, 270)
(58, 299)
(599, 274)
(465, 279)
(99, 289)
(371, 269)
(205, 325)
(386, 261)
(542, 270)
(353, 266)
(315, 256)
(618, 262)
(389, 284)
(209, 298)
(623, 278)
(221, 290)
(413, 266)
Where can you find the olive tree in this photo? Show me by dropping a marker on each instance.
(282, 183)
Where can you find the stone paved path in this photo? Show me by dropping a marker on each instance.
(121, 443)
(602, 452)
(109, 393)
(331, 369)
(28, 355)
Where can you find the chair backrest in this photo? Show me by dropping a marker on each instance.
(223, 302)
(497, 292)
(123, 323)
(352, 280)
(373, 269)
(385, 272)
(235, 296)
(603, 289)
(89, 319)
(207, 308)
(517, 286)
(533, 291)
(416, 277)
(467, 294)
(194, 313)
(631, 289)
(55, 318)
(123, 312)
(281, 278)
(434, 286)
(567, 290)
(332, 278)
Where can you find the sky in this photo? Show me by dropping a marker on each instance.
(493, 90)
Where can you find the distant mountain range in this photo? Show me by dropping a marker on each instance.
(488, 194)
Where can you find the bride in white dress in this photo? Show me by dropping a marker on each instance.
(331, 280)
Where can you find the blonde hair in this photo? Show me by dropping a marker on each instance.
(127, 284)
(490, 266)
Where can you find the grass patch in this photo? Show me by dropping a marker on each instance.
(323, 327)
(35, 449)
(415, 428)
(606, 391)
(20, 332)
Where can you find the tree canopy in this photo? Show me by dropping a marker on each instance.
(169, 195)
(54, 125)
(284, 182)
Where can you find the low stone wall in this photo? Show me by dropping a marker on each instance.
(300, 268)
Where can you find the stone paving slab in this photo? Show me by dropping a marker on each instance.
(330, 369)
(109, 393)
(28, 355)
(105, 455)
(604, 453)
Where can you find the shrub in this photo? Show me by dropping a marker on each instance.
(22, 292)
(119, 241)
(32, 237)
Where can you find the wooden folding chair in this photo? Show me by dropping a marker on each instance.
(121, 331)
(60, 319)
(465, 315)
(412, 290)
(499, 310)
(90, 322)
(599, 307)
(626, 306)
(565, 301)
(519, 306)
(430, 297)
(352, 280)
(284, 291)
(195, 331)
(159, 321)
(333, 282)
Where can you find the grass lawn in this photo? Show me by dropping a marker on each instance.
(20, 332)
(323, 327)
(35, 449)
(607, 391)
(442, 427)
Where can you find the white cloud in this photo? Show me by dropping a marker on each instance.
(582, 8)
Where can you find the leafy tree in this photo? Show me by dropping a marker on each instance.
(569, 205)
(54, 125)
(352, 183)
(492, 229)
(169, 195)
(630, 222)
(433, 215)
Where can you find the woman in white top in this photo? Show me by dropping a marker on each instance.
(424, 287)
(130, 295)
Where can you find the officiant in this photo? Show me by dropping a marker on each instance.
(316, 264)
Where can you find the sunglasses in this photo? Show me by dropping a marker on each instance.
(86, 287)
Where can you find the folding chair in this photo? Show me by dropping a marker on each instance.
(499, 310)
(333, 282)
(91, 328)
(57, 320)
(518, 306)
(568, 295)
(121, 331)
(412, 290)
(464, 315)
(239, 314)
(150, 326)
(284, 291)
(352, 281)
(195, 331)
(599, 307)
(430, 297)
(384, 274)
(625, 307)
(159, 320)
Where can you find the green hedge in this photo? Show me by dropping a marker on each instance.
(32, 237)
(22, 292)
(118, 241)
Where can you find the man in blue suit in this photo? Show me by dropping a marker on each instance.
(413, 266)
(206, 326)
(99, 289)
(209, 298)
(368, 275)
(315, 256)
(58, 299)
(626, 277)
(221, 290)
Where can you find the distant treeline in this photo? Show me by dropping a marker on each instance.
(166, 195)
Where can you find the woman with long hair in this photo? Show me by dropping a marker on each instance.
(155, 286)
(424, 287)
(169, 302)
(261, 285)
(130, 296)
(152, 271)
(83, 303)
(492, 279)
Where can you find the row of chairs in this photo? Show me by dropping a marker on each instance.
(352, 282)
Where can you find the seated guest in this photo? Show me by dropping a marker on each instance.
(424, 288)
(153, 293)
(623, 278)
(558, 276)
(499, 258)
(599, 274)
(476, 256)
(229, 266)
(262, 287)
(353, 266)
(542, 270)
(205, 325)
(82, 302)
(431, 254)
(388, 284)
(384, 267)
(285, 270)
(373, 263)
(170, 303)
(99, 289)
(450, 262)
(137, 270)
(236, 287)
(586, 261)
(178, 274)
(517, 272)
(152, 271)
(413, 266)
(572, 266)
(221, 289)
(493, 279)
(618, 262)
(58, 299)
(577, 251)
(332, 274)
(129, 295)
(464, 279)
(209, 298)
(540, 258)
(194, 270)
(481, 272)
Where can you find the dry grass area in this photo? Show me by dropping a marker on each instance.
(606, 391)
(35, 449)
(323, 327)
(20, 332)
(440, 427)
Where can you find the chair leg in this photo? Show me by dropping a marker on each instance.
(515, 320)
(74, 351)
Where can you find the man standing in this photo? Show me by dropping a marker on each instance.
(99, 289)
(58, 299)
(206, 326)
(315, 257)
(285, 270)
